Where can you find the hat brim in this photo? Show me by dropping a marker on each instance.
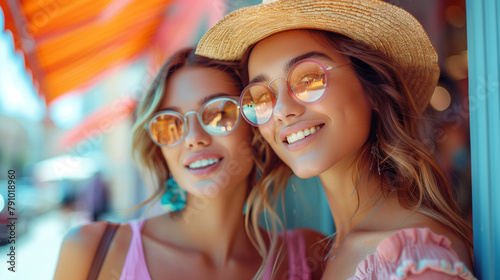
(377, 24)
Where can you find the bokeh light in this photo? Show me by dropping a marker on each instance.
(441, 99)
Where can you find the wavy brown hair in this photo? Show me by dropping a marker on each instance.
(407, 164)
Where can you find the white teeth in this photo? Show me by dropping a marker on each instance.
(299, 135)
(203, 163)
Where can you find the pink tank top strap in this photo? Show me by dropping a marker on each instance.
(136, 226)
(135, 266)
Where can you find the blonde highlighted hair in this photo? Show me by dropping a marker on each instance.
(148, 158)
(263, 198)
(146, 155)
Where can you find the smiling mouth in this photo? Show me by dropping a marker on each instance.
(203, 163)
(299, 135)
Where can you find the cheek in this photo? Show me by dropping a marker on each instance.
(240, 145)
(239, 149)
(171, 158)
(346, 102)
(268, 132)
(165, 154)
(241, 137)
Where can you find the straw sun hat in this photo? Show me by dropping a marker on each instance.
(375, 23)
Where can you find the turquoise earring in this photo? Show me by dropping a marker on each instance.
(174, 199)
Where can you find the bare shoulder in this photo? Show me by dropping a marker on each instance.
(77, 251)
(112, 265)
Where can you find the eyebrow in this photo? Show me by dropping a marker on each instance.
(288, 66)
(200, 102)
(212, 96)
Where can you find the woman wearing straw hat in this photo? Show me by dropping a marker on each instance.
(202, 160)
(338, 89)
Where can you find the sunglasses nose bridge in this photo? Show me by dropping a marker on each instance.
(189, 113)
(277, 91)
(195, 132)
(186, 123)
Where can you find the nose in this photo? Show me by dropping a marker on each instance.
(286, 107)
(196, 136)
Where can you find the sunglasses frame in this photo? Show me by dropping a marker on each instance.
(198, 113)
(291, 91)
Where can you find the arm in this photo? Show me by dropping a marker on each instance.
(78, 250)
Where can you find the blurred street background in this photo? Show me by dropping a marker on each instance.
(71, 73)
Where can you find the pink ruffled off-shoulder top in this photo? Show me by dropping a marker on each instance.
(415, 253)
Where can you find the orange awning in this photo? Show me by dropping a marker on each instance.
(68, 43)
(71, 44)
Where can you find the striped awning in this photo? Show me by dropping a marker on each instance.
(70, 44)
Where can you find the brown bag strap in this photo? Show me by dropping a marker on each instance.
(106, 238)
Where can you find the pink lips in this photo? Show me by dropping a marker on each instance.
(203, 171)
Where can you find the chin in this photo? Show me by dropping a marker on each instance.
(306, 174)
(305, 171)
(307, 165)
(206, 188)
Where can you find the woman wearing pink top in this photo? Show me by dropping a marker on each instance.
(338, 88)
(190, 144)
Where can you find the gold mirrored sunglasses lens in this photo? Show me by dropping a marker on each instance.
(167, 129)
(308, 81)
(257, 104)
(220, 116)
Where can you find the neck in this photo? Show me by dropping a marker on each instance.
(215, 225)
(352, 199)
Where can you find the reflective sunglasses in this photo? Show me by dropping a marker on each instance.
(307, 82)
(219, 116)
